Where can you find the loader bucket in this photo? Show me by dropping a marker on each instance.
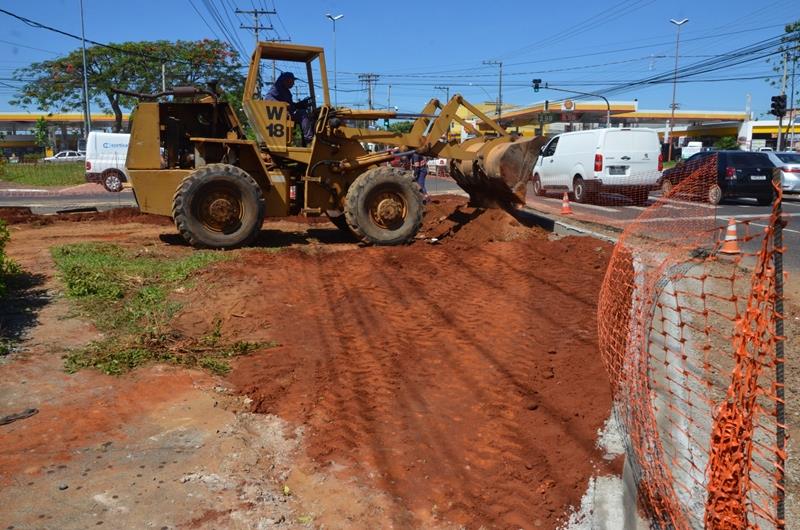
(499, 174)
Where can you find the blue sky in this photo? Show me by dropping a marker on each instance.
(418, 45)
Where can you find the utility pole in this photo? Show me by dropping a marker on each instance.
(783, 93)
(499, 87)
(447, 98)
(369, 79)
(389, 98)
(257, 27)
(792, 104)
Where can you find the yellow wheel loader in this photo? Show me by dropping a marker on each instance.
(189, 159)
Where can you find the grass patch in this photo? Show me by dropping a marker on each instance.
(58, 174)
(8, 267)
(127, 296)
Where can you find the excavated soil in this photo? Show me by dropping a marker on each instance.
(462, 378)
(454, 381)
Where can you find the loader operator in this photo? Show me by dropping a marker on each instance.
(282, 91)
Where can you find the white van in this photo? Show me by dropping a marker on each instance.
(620, 160)
(692, 148)
(105, 159)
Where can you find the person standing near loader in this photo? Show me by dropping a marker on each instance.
(419, 165)
(281, 90)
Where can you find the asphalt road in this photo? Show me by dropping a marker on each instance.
(612, 210)
(52, 203)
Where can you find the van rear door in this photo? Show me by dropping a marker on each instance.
(630, 157)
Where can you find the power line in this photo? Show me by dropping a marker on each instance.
(39, 25)
(204, 20)
(369, 79)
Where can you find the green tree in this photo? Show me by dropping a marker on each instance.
(56, 85)
(41, 132)
(401, 127)
(726, 143)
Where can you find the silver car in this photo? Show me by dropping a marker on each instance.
(789, 164)
(66, 156)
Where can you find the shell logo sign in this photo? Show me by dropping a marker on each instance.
(568, 105)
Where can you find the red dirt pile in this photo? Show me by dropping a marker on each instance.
(449, 218)
(464, 382)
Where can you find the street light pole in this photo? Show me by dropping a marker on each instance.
(334, 18)
(608, 105)
(678, 23)
(488, 95)
(87, 118)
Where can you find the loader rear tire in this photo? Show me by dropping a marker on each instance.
(218, 206)
(384, 207)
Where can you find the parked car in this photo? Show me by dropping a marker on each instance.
(64, 156)
(789, 164)
(730, 174)
(105, 159)
(623, 160)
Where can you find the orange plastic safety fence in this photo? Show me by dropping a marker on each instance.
(687, 328)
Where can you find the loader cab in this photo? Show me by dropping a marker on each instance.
(272, 124)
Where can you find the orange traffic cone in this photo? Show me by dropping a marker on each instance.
(565, 207)
(731, 243)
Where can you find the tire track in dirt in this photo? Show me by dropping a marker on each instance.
(463, 381)
(505, 432)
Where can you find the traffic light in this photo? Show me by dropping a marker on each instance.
(779, 106)
(536, 83)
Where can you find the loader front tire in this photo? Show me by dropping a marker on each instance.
(218, 206)
(384, 207)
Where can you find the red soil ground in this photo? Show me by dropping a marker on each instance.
(462, 378)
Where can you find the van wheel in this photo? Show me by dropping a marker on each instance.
(666, 187)
(538, 189)
(714, 195)
(218, 206)
(581, 191)
(112, 181)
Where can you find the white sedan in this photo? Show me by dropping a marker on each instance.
(66, 156)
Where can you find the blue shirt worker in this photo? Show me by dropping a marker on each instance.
(419, 165)
(282, 91)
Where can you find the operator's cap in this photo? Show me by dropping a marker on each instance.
(286, 75)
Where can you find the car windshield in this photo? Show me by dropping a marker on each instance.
(789, 158)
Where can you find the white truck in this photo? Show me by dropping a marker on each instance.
(105, 159)
(585, 163)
